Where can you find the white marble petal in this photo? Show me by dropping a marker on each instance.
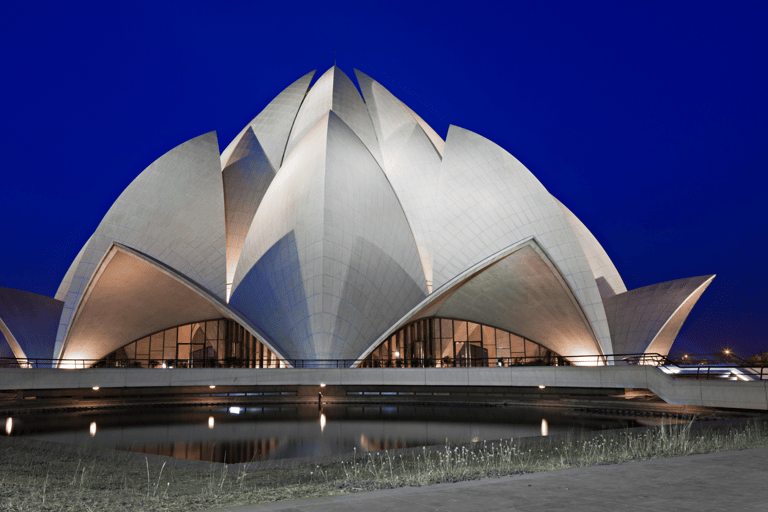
(410, 160)
(648, 319)
(246, 180)
(335, 91)
(329, 262)
(273, 124)
(487, 201)
(132, 295)
(173, 212)
(609, 281)
(518, 289)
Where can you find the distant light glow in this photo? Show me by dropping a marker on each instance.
(542, 386)
(397, 353)
(164, 365)
(544, 427)
(8, 426)
(322, 384)
(95, 388)
(235, 410)
(212, 386)
(322, 422)
(92, 428)
(210, 421)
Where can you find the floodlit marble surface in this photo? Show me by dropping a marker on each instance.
(131, 296)
(599, 261)
(487, 201)
(648, 319)
(173, 212)
(329, 256)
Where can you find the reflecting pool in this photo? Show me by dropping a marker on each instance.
(241, 433)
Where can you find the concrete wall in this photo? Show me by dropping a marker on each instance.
(690, 392)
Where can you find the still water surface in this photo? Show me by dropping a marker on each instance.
(245, 433)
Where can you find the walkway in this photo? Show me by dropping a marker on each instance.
(736, 480)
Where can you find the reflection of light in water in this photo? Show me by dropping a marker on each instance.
(8, 426)
(210, 421)
(322, 422)
(93, 428)
(544, 427)
(372, 445)
(235, 410)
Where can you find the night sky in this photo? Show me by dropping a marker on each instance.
(649, 120)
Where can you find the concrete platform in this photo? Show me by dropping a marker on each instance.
(736, 480)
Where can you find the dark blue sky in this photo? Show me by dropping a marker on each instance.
(648, 120)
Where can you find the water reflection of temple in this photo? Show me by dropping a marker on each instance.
(372, 445)
(230, 451)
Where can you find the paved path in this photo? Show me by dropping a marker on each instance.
(736, 480)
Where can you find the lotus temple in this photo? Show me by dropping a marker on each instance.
(339, 230)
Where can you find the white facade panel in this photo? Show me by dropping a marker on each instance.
(410, 161)
(273, 124)
(487, 201)
(519, 290)
(131, 296)
(173, 212)
(246, 180)
(599, 261)
(648, 319)
(329, 262)
(335, 91)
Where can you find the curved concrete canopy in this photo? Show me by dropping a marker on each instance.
(246, 180)
(488, 201)
(410, 161)
(132, 295)
(173, 212)
(647, 319)
(272, 126)
(28, 322)
(609, 281)
(334, 91)
(329, 262)
(519, 290)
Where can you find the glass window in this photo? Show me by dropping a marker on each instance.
(183, 351)
(517, 345)
(212, 330)
(130, 350)
(473, 331)
(142, 348)
(156, 348)
(198, 334)
(169, 353)
(447, 348)
(459, 331)
(489, 343)
(185, 333)
(170, 338)
(446, 328)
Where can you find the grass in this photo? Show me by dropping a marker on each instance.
(37, 477)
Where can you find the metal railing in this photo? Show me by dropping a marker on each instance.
(139, 363)
(698, 366)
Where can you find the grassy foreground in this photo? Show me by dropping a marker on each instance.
(43, 479)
